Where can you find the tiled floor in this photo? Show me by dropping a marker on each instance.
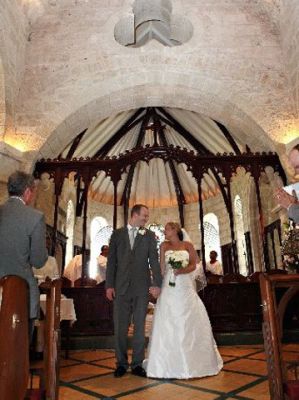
(88, 375)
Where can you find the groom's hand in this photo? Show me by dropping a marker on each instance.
(155, 291)
(110, 294)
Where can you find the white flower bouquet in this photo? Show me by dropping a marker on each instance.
(177, 259)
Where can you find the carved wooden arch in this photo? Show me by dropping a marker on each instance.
(198, 164)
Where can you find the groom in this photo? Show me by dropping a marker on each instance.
(132, 252)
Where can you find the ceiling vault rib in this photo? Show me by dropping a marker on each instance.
(177, 184)
(74, 145)
(129, 124)
(198, 147)
(128, 184)
(228, 137)
(173, 123)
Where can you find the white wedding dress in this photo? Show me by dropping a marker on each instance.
(182, 345)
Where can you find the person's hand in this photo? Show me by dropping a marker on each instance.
(155, 291)
(178, 271)
(110, 294)
(284, 199)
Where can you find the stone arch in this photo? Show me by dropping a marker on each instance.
(2, 101)
(240, 123)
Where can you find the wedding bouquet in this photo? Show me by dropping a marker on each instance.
(178, 259)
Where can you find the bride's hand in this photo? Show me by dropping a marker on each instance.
(177, 271)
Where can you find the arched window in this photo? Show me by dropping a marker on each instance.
(100, 233)
(211, 235)
(70, 222)
(241, 244)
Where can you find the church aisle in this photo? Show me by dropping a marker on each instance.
(88, 375)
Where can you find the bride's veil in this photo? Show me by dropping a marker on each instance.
(186, 236)
(198, 273)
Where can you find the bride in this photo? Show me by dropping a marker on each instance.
(182, 345)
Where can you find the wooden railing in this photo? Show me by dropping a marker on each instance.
(273, 316)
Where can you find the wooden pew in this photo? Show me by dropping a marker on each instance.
(273, 313)
(85, 282)
(14, 334)
(48, 369)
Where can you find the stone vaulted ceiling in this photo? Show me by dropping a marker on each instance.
(61, 70)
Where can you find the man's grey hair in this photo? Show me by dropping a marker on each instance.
(18, 182)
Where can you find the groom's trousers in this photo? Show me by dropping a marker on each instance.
(125, 307)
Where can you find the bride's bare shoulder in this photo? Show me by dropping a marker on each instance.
(163, 245)
(188, 246)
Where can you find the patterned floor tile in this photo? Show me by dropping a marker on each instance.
(81, 371)
(249, 366)
(257, 392)
(66, 393)
(110, 386)
(106, 363)
(92, 378)
(258, 356)
(170, 392)
(237, 351)
(223, 382)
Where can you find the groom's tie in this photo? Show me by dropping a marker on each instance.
(132, 235)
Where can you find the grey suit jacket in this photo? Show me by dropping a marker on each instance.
(294, 213)
(130, 268)
(22, 245)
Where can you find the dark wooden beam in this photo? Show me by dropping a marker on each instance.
(228, 137)
(128, 185)
(74, 145)
(199, 147)
(173, 123)
(177, 184)
(129, 124)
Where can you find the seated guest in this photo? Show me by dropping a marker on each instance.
(73, 270)
(102, 264)
(214, 266)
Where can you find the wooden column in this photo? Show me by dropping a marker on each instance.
(234, 252)
(256, 176)
(58, 182)
(249, 252)
(202, 232)
(84, 231)
(86, 177)
(115, 183)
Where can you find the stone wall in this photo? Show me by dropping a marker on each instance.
(231, 69)
(13, 43)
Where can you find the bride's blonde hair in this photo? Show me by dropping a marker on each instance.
(177, 227)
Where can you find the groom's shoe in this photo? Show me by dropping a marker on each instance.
(139, 371)
(119, 372)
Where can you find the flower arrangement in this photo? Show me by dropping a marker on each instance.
(290, 248)
(177, 260)
(291, 263)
